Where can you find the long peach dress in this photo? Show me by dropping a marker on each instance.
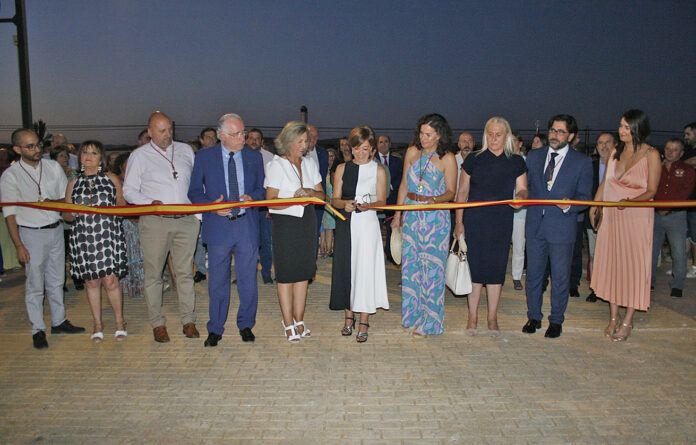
(623, 254)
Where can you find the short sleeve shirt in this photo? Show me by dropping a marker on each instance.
(282, 175)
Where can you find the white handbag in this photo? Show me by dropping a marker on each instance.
(457, 274)
(395, 245)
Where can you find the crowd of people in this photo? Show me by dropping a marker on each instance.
(141, 256)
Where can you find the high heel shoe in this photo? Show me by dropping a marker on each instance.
(348, 330)
(292, 335)
(305, 331)
(609, 331)
(624, 337)
(362, 336)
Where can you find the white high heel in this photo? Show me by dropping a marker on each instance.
(294, 337)
(305, 332)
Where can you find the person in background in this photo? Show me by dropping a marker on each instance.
(344, 149)
(518, 240)
(622, 263)
(207, 138)
(255, 142)
(321, 158)
(328, 223)
(97, 248)
(539, 140)
(690, 158)
(395, 170)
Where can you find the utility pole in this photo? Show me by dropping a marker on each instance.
(304, 114)
(20, 21)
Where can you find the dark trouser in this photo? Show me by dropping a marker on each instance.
(576, 265)
(539, 254)
(265, 244)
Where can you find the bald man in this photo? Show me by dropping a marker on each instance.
(159, 172)
(321, 157)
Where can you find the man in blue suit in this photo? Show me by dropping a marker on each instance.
(230, 171)
(554, 172)
(396, 169)
(321, 157)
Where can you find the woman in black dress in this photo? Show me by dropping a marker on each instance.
(97, 246)
(491, 174)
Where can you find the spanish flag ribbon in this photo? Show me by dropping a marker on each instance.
(188, 209)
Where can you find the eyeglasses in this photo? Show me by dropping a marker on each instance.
(237, 134)
(38, 145)
(557, 131)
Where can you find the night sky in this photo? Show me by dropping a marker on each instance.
(384, 63)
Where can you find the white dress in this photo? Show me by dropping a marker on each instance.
(368, 279)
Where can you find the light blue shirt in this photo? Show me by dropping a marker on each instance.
(602, 169)
(238, 162)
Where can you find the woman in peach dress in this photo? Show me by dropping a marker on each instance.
(622, 262)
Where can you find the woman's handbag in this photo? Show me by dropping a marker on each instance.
(395, 245)
(457, 274)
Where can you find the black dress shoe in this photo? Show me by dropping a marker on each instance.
(247, 335)
(268, 280)
(676, 293)
(574, 292)
(531, 326)
(66, 328)
(198, 277)
(39, 340)
(554, 330)
(212, 339)
(591, 298)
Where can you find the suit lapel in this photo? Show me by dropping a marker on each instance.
(220, 170)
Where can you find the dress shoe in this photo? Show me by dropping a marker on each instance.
(160, 333)
(190, 330)
(554, 330)
(198, 277)
(592, 297)
(676, 293)
(574, 292)
(66, 328)
(247, 335)
(517, 284)
(268, 280)
(212, 340)
(39, 340)
(531, 326)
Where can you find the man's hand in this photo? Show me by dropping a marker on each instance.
(562, 206)
(22, 254)
(245, 198)
(223, 212)
(156, 202)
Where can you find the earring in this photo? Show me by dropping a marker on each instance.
(82, 168)
(99, 169)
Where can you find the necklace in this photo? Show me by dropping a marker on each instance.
(175, 174)
(38, 184)
(422, 171)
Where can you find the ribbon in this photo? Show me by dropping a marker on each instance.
(189, 209)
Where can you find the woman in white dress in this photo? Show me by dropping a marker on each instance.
(359, 282)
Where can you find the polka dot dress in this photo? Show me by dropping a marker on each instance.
(97, 246)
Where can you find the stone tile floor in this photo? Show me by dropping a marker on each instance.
(452, 389)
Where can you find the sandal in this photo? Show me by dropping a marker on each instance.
(293, 336)
(121, 332)
(362, 336)
(624, 337)
(305, 332)
(97, 337)
(348, 330)
(608, 331)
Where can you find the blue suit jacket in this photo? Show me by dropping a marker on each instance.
(208, 183)
(396, 171)
(323, 157)
(573, 181)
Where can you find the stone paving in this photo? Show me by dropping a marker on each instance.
(452, 389)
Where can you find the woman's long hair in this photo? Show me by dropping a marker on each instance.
(639, 123)
(440, 125)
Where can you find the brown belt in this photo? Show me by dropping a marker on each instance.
(417, 197)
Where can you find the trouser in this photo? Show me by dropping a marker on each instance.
(674, 227)
(44, 271)
(199, 256)
(539, 254)
(518, 242)
(159, 236)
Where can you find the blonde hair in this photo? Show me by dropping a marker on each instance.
(509, 147)
(289, 134)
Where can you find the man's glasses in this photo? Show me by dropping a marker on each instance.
(38, 145)
(237, 134)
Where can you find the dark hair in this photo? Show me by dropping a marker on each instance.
(571, 123)
(440, 125)
(518, 136)
(17, 135)
(386, 136)
(542, 137)
(359, 135)
(639, 124)
(610, 133)
(96, 144)
(692, 126)
(256, 130)
(55, 151)
(207, 129)
(142, 133)
(676, 141)
(118, 163)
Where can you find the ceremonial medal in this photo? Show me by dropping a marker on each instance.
(175, 174)
(41, 198)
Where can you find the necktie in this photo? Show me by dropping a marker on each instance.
(384, 160)
(548, 174)
(232, 183)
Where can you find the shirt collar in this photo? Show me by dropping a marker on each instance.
(561, 153)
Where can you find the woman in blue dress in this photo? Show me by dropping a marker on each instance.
(430, 176)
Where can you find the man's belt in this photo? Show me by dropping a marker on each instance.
(173, 216)
(49, 226)
(234, 218)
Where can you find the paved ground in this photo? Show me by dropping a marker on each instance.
(451, 389)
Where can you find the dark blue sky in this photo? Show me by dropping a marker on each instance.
(379, 62)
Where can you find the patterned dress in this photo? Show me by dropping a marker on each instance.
(97, 248)
(424, 253)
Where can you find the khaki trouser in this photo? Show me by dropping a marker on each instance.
(159, 236)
